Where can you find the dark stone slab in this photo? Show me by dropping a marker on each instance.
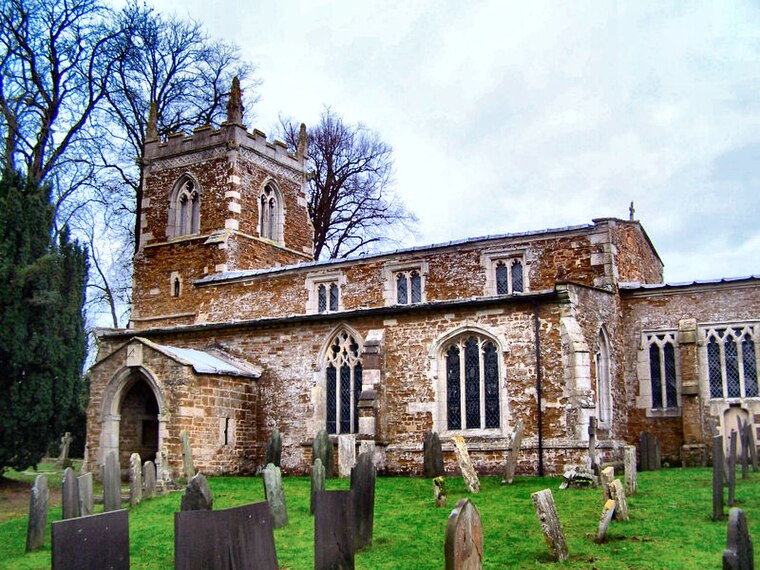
(111, 483)
(334, 537)
(92, 543)
(240, 537)
(719, 463)
(38, 511)
(274, 448)
(739, 553)
(432, 455)
(197, 495)
(363, 477)
(69, 495)
(317, 482)
(322, 448)
(732, 468)
(463, 547)
(744, 440)
(649, 446)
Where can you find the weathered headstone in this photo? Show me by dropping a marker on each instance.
(617, 494)
(322, 448)
(465, 464)
(86, 498)
(631, 475)
(317, 482)
(187, 455)
(719, 463)
(739, 553)
(240, 537)
(439, 491)
(38, 511)
(346, 454)
(578, 477)
(745, 448)
(63, 457)
(91, 543)
(593, 459)
(463, 547)
(274, 448)
(650, 452)
(543, 501)
(334, 539)
(69, 495)
(752, 445)
(713, 426)
(135, 479)
(604, 521)
(363, 477)
(85, 467)
(732, 469)
(197, 496)
(163, 475)
(274, 495)
(432, 455)
(513, 453)
(149, 479)
(608, 476)
(111, 483)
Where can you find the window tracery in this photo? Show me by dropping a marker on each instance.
(343, 379)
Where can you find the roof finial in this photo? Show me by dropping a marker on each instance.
(631, 211)
(235, 103)
(151, 129)
(302, 142)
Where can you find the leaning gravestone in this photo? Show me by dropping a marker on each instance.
(463, 547)
(322, 448)
(719, 463)
(317, 482)
(604, 522)
(515, 441)
(197, 496)
(149, 479)
(631, 476)
(240, 537)
(543, 501)
(111, 483)
(69, 495)
(38, 510)
(739, 553)
(274, 495)
(439, 491)
(608, 476)
(346, 454)
(274, 448)
(363, 477)
(187, 455)
(91, 543)
(432, 455)
(732, 469)
(650, 452)
(63, 458)
(86, 499)
(334, 539)
(617, 494)
(465, 464)
(135, 479)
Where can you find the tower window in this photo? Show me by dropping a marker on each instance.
(184, 208)
(270, 213)
(176, 287)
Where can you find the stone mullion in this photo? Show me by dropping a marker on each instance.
(482, 383)
(462, 387)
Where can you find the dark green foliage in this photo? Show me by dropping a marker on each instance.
(42, 339)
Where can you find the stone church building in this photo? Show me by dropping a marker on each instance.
(236, 330)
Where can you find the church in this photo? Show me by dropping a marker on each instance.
(236, 330)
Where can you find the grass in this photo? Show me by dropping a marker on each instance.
(670, 526)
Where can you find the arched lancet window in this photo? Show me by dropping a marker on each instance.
(185, 208)
(472, 383)
(343, 379)
(603, 381)
(509, 276)
(270, 213)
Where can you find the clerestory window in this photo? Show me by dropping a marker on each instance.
(408, 287)
(328, 297)
(343, 380)
(509, 276)
(732, 355)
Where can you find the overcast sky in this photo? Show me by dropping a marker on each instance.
(516, 116)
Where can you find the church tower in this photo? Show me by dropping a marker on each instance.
(216, 201)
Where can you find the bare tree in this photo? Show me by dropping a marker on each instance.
(350, 200)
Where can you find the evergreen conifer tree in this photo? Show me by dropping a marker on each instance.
(42, 338)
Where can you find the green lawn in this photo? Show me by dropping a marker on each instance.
(670, 526)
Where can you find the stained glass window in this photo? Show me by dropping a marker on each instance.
(472, 369)
(472, 383)
(343, 378)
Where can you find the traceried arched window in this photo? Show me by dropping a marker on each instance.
(270, 213)
(732, 355)
(662, 370)
(603, 380)
(509, 276)
(472, 383)
(185, 208)
(343, 379)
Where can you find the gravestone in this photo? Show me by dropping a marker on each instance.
(713, 426)
(135, 479)
(546, 511)
(187, 455)
(111, 483)
(85, 467)
(91, 543)
(604, 522)
(465, 464)
(38, 511)
(463, 547)
(240, 537)
(317, 482)
(515, 441)
(346, 454)
(745, 447)
(732, 469)
(752, 445)
(363, 477)
(197, 495)
(163, 475)
(334, 537)
(274, 448)
(608, 476)
(631, 475)
(86, 499)
(439, 491)
(322, 448)
(617, 494)
(63, 457)
(69, 495)
(719, 463)
(593, 459)
(149, 479)
(274, 495)
(739, 553)
(650, 452)
(579, 477)
(432, 455)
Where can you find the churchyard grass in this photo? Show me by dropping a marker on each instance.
(670, 524)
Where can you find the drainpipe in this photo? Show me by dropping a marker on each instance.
(538, 393)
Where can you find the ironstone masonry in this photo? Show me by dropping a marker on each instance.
(236, 330)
